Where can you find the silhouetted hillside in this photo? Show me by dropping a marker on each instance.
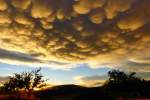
(72, 92)
(106, 92)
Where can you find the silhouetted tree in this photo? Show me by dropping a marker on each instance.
(124, 83)
(26, 80)
(117, 76)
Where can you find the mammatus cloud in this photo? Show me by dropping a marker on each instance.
(91, 81)
(69, 31)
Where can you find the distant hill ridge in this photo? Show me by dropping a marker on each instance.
(76, 92)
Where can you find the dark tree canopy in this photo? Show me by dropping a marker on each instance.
(117, 76)
(25, 80)
(125, 84)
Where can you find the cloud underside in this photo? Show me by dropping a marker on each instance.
(100, 32)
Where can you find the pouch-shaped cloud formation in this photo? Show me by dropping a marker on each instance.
(74, 30)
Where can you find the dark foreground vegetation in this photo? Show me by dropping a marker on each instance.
(119, 86)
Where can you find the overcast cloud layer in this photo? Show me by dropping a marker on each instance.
(100, 32)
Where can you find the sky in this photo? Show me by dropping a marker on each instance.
(74, 41)
(55, 77)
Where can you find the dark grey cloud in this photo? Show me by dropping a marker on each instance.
(10, 55)
(138, 64)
